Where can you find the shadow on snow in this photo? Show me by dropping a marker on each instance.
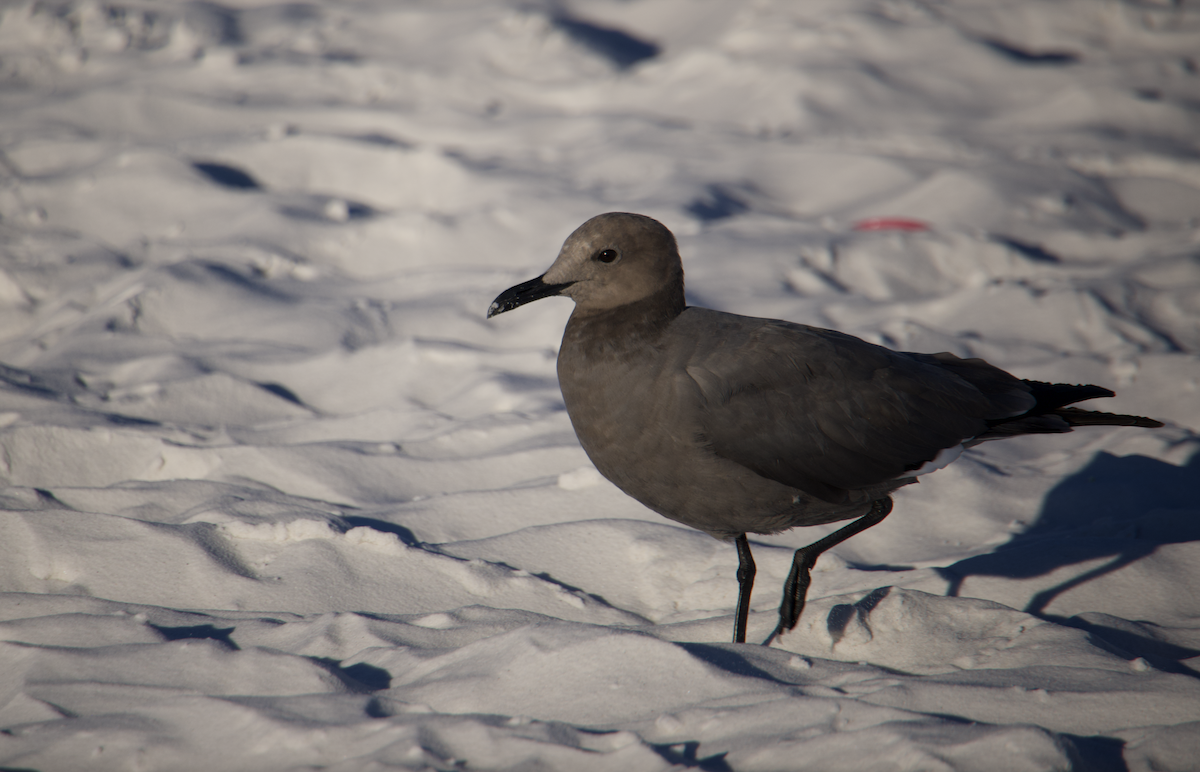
(1120, 509)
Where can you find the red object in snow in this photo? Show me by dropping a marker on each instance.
(891, 224)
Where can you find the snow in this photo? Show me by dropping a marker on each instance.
(278, 496)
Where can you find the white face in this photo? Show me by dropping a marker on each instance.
(615, 259)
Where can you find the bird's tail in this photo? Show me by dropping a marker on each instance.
(1053, 398)
(1050, 415)
(1076, 417)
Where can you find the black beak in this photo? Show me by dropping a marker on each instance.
(525, 292)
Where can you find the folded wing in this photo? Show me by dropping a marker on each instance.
(837, 413)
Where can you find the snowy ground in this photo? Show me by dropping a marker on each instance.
(279, 497)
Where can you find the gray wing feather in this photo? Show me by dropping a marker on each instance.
(835, 413)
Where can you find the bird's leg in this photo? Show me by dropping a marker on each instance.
(745, 577)
(796, 587)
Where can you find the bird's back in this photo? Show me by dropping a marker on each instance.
(733, 424)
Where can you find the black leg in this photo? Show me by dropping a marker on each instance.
(796, 587)
(745, 577)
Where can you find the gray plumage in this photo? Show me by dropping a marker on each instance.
(734, 424)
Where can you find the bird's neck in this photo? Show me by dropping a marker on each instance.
(623, 330)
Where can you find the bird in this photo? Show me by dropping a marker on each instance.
(739, 425)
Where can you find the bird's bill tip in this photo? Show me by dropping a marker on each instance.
(525, 292)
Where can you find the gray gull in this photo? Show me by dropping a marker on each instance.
(734, 424)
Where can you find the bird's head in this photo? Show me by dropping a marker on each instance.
(610, 261)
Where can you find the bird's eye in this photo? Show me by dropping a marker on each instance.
(607, 255)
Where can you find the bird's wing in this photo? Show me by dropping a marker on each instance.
(826, 412)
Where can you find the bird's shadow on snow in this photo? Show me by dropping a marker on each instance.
(1119, 508)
